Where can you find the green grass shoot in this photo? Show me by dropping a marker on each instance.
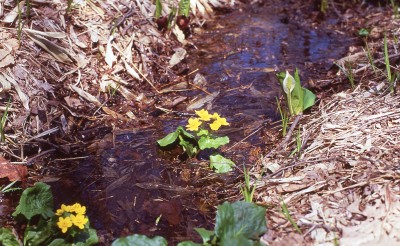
(395, 8)
(247, 190)
(284, 117)
(287, 215)
(368, 52)
(3, 123)
(350, 75)
(9, 188)
(298, 143)
(28, 8)
(387, 63)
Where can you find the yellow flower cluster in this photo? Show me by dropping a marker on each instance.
(71, 215)
(204, 115)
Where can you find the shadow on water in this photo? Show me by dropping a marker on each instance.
(127, 182)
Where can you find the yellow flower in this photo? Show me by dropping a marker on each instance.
(203, 114)
(215, 125)
(79, 220)
(194, 124)
(218, 122)
(222, 121)
(64, 224)
(59, 212)
(215, 116)
(78, 209)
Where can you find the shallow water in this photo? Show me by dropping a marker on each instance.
(127, 182)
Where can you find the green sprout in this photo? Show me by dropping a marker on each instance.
(247, 190)
(287, 215)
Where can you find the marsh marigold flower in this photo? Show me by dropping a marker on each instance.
(194, 124)
(203, 114)
(218, 122)
(64, 223)
(78, 209)
(79, 220)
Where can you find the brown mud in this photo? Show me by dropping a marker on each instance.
(128, 182)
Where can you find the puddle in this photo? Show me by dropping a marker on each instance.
(127, 182)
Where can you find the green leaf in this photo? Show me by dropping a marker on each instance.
(186, 134)
(36, 200)
(188, 243)
(7, 238)
(170, 138)
(240, 218)
(205, 234)
(140, 240)
(190, 150)
(309, 99)
(184, 7)
(202, 132)
(238, 240)
(59, 242)
(206, 142)
(297, 96)
(363, 32)
(40, 234)
(221, 164)
(86, 237)
(158, 9)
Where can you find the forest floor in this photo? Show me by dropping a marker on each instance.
(70, 79)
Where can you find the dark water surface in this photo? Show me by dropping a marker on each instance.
(127, 182)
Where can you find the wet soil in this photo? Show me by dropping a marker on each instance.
(127, 182)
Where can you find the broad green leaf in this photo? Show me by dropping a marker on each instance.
(309, 99)
(59, 242)
(297, 96)
(206, 142)
(158, 9)
(140, 240)
(7, 238)
(205, 234)
(221, 164)
(36, 200)
(185, 133)
(202, 132)
(188, 243)
(184, 7)
(190, 150)
(237, 240)
(170, 138)
(86, 238)
(40, 234)
(240, 218)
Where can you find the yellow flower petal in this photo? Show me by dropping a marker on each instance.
(193, 124)
(203, 114)
(64, 224)
(215, 116)
(215, 125)
(79, 220)
(223, 121)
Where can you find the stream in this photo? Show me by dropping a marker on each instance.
(127, 182)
